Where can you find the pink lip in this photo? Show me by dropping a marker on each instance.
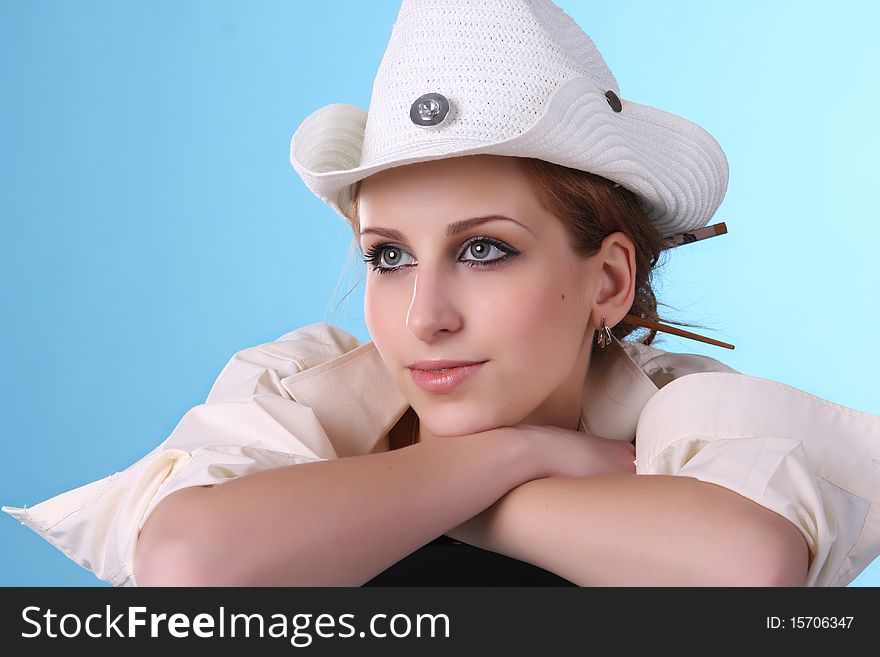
(454, 375)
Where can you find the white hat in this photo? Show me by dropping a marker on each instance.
(509, 77)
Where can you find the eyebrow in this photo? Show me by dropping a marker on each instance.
(452, 229)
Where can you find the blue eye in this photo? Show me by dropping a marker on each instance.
(388, 257)
(481, 248)
(385, 258)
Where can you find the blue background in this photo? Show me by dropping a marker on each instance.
(152, 224)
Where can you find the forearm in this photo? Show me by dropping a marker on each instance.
(647, 530)
(328, 523)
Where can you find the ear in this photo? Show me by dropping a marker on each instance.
(616, 291)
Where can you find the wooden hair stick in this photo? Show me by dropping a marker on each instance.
(678, 239)
(650, 324)
(691, 236)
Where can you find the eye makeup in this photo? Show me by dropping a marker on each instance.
(376, 254)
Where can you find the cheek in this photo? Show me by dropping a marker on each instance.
(376, 314)
(541, 310)
(370, 305)
(385, 307)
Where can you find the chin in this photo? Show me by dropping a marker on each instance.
(453, 420)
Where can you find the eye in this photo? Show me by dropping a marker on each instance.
(482, 249)
(387, 257)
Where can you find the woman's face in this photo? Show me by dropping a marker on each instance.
(464, 283)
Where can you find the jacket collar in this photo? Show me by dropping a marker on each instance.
(357, 402)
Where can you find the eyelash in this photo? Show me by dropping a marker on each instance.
(374, 253)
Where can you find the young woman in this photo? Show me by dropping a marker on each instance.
(511, 207)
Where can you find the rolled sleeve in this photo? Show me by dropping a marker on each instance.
(769, 443)
(249, 423)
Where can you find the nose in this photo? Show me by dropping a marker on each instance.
(433, 310)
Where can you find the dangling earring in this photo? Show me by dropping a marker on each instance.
(603, 338)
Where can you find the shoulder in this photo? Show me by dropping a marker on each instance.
(293, 352)
(665, 366)
(310, 345)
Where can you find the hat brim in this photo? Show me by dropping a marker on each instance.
(674, 166)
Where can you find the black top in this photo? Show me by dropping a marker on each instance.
(447, 562)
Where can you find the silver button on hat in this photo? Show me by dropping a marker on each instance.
(429, 110)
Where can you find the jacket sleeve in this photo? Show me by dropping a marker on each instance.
(247, 424)
(803, 457)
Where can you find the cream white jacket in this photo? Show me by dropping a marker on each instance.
(316, 393)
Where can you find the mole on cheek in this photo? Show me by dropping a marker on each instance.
(563, 297)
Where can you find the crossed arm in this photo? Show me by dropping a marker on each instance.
(641, 530)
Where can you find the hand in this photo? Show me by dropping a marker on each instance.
(555, 452)
(560, 452)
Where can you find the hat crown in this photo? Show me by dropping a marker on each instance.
(497, 61)
(512, 78)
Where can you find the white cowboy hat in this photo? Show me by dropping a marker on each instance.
(464, 77)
